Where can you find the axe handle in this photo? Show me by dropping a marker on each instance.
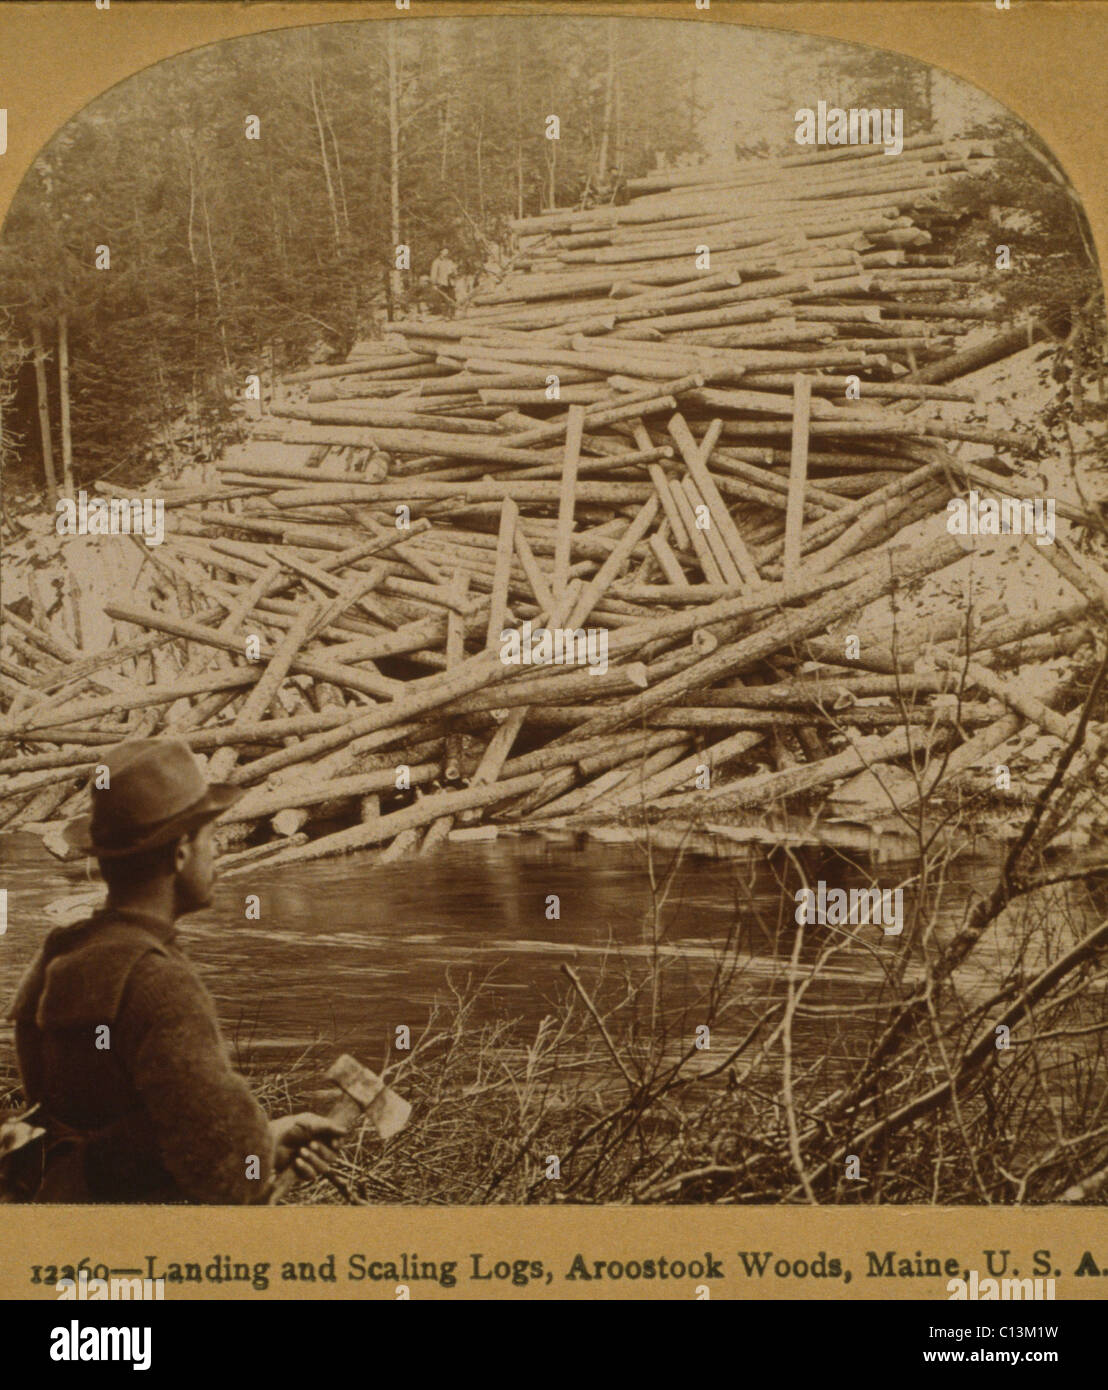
(344, 1113)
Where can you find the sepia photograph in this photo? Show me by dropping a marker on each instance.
(554, 637)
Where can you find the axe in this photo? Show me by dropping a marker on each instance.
(363, 1093)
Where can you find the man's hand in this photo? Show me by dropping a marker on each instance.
(298, 1140)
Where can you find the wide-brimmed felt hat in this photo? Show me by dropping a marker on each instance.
(154, 793)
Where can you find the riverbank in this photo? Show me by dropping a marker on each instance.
(667, 1047)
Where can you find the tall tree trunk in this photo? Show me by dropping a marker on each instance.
(396, 283)
(332, 204)
(480, 173)
(519, 125)
(193, 258)
(617, 115)
(63, 397)
(278, 243)
(216, 286)
(601, 174)
(340, 180)
(551, 154)
(553, 164)
(44, 412)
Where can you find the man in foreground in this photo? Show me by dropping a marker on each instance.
(116, 1036)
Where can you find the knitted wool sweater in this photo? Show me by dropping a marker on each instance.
(176, 1123)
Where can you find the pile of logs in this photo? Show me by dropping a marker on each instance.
(711, 423)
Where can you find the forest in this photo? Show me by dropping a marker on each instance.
(225, 247)
(238, 208)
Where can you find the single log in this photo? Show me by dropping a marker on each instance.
(412, 818)
(696, 459)
(380, 417)
(452, 757)
(686, 499)
(968, 360)
(567, 495)
(673, 516)
(600, 583)
(355, 368)
(85, 710)
(346, 676)
(710, 716)
(230, 864)
(462, 493)
(286, 823)
(668, 563)
(765, 788)
(257, 702)
(394, 441)
(541, 590)
(260, 803)
(504, 547)
(798, 477)
(653, 786)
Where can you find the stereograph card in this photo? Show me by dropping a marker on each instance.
(553, 660)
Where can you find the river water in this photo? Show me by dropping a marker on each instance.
(345, 950)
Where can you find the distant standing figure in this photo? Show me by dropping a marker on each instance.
(443, 270)
(493, 265)
(463, 289)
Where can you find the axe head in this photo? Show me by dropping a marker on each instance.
(381, 1105)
